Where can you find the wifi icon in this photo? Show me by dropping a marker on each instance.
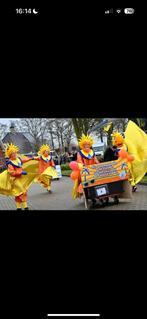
(118, 10)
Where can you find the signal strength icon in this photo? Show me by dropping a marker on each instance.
(109, 11)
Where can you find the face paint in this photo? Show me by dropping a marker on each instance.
(13, 156)
(45, 153)
(86, 148)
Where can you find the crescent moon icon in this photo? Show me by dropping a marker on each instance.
(34, 11)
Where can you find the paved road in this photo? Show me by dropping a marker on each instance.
(60, 199)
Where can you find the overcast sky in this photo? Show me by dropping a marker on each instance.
(7, 120)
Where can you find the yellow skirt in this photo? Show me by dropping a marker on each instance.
(45, 178)
(15, 186)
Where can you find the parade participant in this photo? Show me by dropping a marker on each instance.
(120, 148)
(14, 181)
(46, 167)
(85, 157)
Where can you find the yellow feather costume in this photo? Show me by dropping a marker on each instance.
(45, 169)
(136, 141)
(14, 186)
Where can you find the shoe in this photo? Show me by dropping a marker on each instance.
(134, 189)
(26, 208)
(19, 209)
(116, 200)
(50, 192)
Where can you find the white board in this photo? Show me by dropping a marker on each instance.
(58, 169)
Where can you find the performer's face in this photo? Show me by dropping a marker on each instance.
(45, 153)
(13, 156)
(87, 147)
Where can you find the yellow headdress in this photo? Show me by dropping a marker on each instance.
(85, 139)
(117, 138)
(44, 147)
(11, 148)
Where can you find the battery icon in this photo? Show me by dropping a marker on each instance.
(129, 10)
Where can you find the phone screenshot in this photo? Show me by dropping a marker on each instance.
(73, 159)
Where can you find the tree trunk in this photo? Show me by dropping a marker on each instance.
(52, 139)
(109, 139)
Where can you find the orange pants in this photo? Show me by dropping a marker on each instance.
(21, 200)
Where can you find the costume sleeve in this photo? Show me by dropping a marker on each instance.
(79, 158)
(36, 158)
(25, 160)
(12, 171)
(52, 162)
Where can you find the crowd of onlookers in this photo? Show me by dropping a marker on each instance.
(65, 157)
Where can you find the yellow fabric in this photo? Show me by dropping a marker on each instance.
(74, 190)
(15, 186)
(18, 205)
(136, 141)
(24, 205)
(45, 178)
(16, 162)
(106, 128)
(86, 154)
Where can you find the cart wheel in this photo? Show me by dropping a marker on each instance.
(93, 202)
(107, 200)
(103, 203)
(116, 200)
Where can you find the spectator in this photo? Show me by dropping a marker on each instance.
(74, 156)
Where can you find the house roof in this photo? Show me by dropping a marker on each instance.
(20, 140)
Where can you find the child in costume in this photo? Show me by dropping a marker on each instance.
(14, 181)
(85, 156)
(46, 167)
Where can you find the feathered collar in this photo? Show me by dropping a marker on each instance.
(85, 155)
(46, 159)
(16, 163)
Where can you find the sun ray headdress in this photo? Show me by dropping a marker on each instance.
(85, 139)
(117, 138)
(44, 147)
(11, 148)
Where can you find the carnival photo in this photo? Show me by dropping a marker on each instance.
(73, 164)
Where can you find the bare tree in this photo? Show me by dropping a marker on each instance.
(69, 133)
(82, 125)
(36, 127)
(3, 129)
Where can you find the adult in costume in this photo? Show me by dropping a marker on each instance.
(85, 157)
(46, 168)
(14, 181)
(134, 144)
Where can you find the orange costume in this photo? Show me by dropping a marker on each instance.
(45, 161)
(14, 181)
(85, 157)
(15, 170)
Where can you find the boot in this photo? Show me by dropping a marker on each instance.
(134, 189)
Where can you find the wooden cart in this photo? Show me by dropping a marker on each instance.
(105, 180)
